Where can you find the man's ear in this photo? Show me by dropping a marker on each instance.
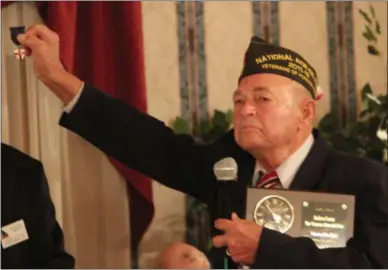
(308, 112)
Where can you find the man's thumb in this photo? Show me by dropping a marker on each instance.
(234, 216)
(29, 41)
(21, 38)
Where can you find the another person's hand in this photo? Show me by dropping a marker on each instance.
(241, 238)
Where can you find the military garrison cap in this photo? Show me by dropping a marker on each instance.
(263, 57)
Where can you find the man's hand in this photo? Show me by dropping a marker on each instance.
(42, 45)
(241, 238)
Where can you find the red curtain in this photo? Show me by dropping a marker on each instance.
(102, 43)
(5, 3)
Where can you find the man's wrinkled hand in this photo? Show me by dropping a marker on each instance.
(42, 45)
(241, 238)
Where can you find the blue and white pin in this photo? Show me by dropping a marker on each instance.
(19, 52)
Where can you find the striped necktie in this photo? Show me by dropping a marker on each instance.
(269, 180)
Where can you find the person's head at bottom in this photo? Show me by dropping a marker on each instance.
(182, 256)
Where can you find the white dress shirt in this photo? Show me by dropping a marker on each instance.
(74, 101)
(287, 170)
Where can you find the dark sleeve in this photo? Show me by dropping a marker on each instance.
(367, 249)
(141, 142)
(47, 244)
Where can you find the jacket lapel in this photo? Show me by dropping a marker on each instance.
(246, 167)
(245, 162)
(311, 171)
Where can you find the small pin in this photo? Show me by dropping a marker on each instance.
(19, 52)
(319, 94)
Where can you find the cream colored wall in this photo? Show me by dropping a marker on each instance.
(228, 29)
(370, 69)
(303, 29)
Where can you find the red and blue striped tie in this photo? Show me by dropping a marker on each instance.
(269, 180)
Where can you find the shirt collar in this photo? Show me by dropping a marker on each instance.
(288, 169)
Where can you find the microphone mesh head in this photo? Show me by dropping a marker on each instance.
(226, 169)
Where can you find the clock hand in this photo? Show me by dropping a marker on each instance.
(275, 217)
(269, 209)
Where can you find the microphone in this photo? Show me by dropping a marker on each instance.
(225, 171)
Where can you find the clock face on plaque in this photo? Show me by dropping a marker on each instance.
(274, 212)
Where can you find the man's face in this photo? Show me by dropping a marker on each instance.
(266, 114)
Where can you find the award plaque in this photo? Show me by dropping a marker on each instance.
(326, 218)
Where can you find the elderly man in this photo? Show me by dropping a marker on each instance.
(182, 256)
(274, 109)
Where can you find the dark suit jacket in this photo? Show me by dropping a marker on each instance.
(25, 195)
(147, 145)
